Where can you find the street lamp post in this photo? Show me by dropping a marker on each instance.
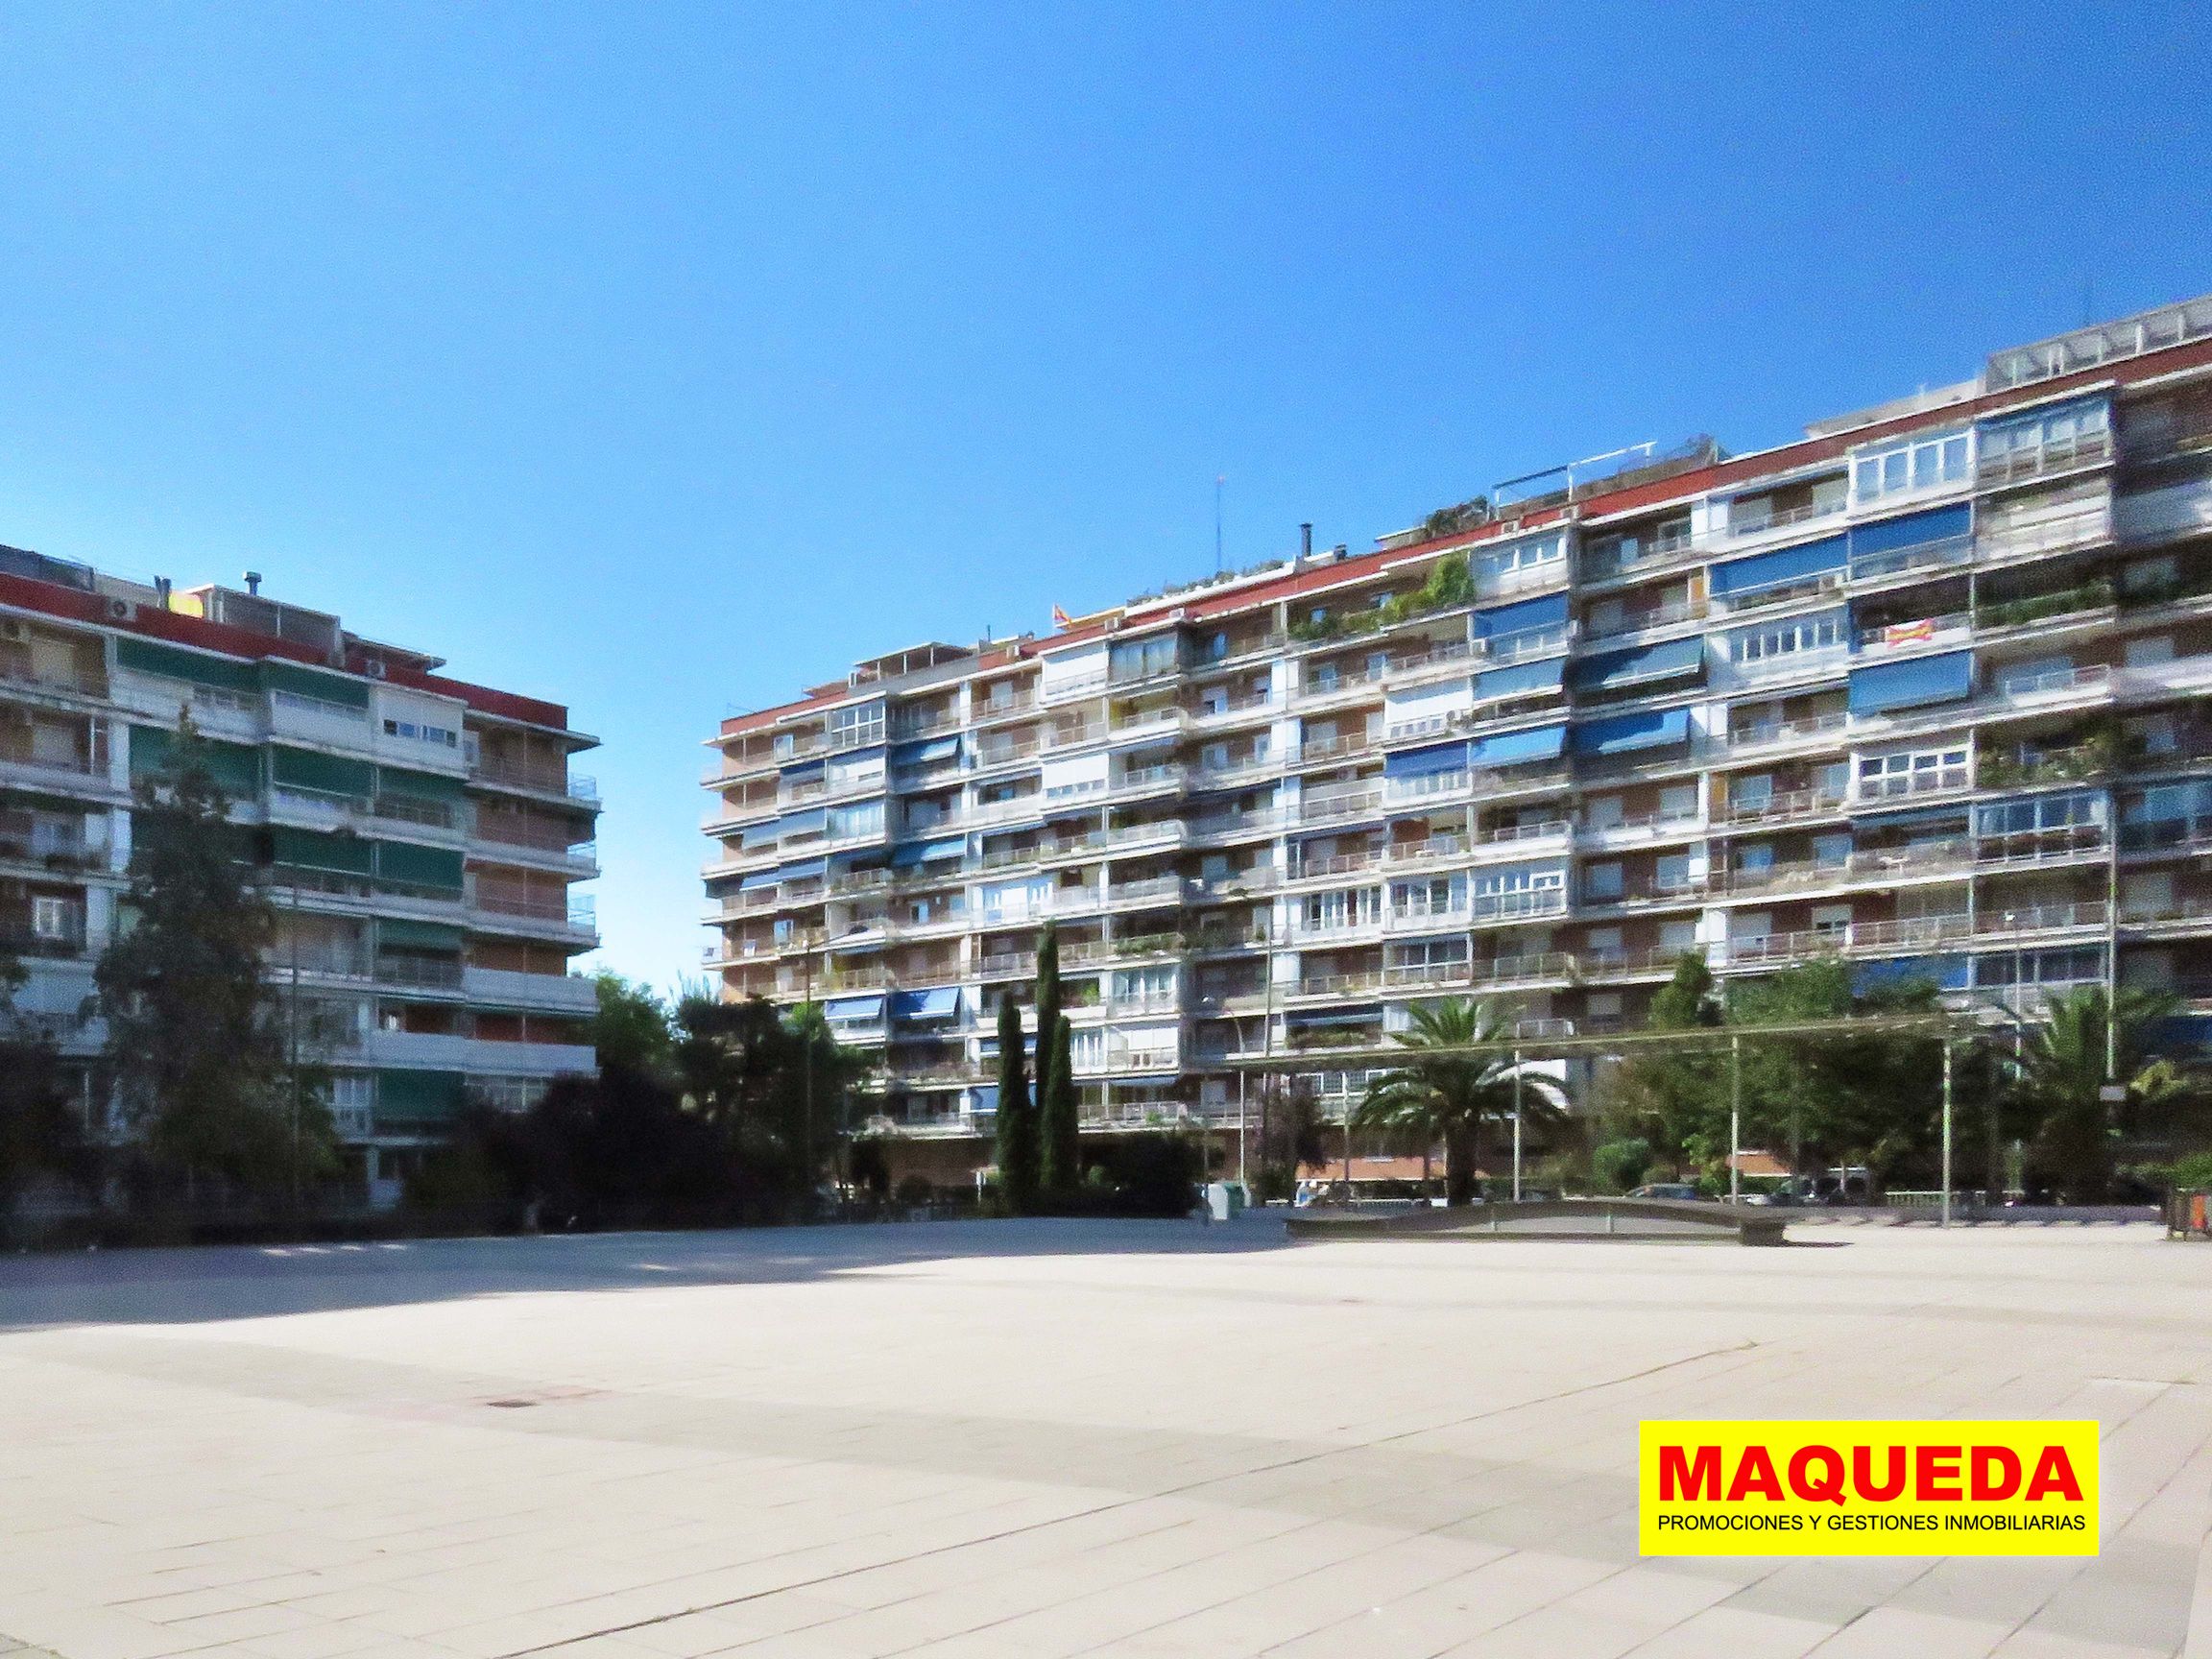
(1516, 1125)
(1946, 1199)
(1735, 1120)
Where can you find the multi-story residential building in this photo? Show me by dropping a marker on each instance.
(1926, 689)
(423, 835)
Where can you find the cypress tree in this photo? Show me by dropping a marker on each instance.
(1048, 999)
(1016, 1120)
(1062, 1151)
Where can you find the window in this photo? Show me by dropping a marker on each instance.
(1346, 907)
(1751, 792)
(1832, 851)
(52, 918)
(1790, 638)
(1756, 859)
(1910, 771)
(417, 732)
(857, 725)
(1919, 464)
(2075, 809)
(1678, 800)
(1604, 941)
(2151, 650)
(1141, 658)
(1440, 896)
(1672, 875)
(1602, 882)
(1602, 812)
(1830, 921)
(1677, 936)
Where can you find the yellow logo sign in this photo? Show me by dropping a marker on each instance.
(1867, 1489)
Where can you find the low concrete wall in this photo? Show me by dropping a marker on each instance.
(1626, 1218)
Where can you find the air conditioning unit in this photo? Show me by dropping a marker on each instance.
(373, 667)
(122, 611)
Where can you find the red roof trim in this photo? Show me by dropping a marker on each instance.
(180, 629)
(1804, 451)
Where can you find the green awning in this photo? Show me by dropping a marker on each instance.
(305, 849)
(308, 682)
(174, 662)
(423, 785)
(235, 766)
(329, 774)
(419, 866)
(398, 933)
(419, 1096)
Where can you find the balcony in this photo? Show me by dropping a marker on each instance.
(2043, 918)
(537, 780)
(1759, 522)
(1938, 554)
(1643, 621)
(1769, 733)
(1784, 805)
(2033, 537)
(2055, 684)
(1429, 786)
(1994, 471)
(1356, 804)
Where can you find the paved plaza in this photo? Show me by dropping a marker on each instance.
(1003, 1440)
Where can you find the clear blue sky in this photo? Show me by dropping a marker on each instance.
(665, 358)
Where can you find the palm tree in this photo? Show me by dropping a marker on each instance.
(2062, 1078)
(1443, 1092)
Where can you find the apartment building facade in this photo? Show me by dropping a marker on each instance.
(1926, 689)
(423, 835)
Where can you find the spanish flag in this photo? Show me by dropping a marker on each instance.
(1060, 618)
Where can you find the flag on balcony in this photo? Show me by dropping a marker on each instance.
(1908, 633)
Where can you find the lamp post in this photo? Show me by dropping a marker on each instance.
(1946, 1198)
(1735, 1120)
(1516, 1125)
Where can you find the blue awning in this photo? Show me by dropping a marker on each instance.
(925, 753)
(1943, 679)
(1505, 748)
(802, 823)
(760, 834)
(1549, 612)
(916, 853)
(1912, 817)
(1888, 534)
(1778, 568)
(754, 883)
(801, 771)
(1662, 661)
(854, 1010)
(1337, 1017)
(940, 1003)
(1426, 762)
(1523, 679)
(806, 870)
(1947, 973)
(1626, 732)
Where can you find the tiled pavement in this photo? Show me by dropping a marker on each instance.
(1049, 1438)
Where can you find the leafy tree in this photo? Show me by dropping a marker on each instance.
(745, 1067)
(1441, 1093)
(1675, 1099)
(1017, 1120)
(630, 1028)
(196, 1054)
(41, 1132)
(2063, 1077)
(1621, 1165)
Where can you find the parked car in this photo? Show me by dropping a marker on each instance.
(1666, 1189)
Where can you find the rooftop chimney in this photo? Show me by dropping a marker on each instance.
(1305, 540)
(253, 582)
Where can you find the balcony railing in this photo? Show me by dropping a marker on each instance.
(545, 780)
(2058, 455)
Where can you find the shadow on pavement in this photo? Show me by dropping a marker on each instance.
(247, 1282)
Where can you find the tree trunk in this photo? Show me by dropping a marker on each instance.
(1459, 1144)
